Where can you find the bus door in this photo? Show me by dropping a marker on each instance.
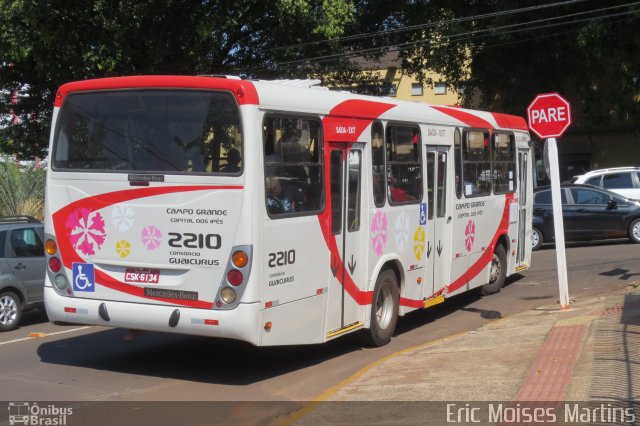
(439, 224)
(348, 270)
(524, 224)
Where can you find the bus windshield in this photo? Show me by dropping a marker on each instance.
(164, 131)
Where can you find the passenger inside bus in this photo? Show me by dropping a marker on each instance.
(397, 193)
(233, 162)
(277, 202)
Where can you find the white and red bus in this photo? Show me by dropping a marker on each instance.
(275, 212)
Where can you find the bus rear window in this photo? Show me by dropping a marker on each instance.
(164, 131)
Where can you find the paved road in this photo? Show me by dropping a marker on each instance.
(83, 364)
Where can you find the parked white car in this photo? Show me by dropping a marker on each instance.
(622, 180)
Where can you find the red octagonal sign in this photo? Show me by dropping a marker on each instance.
(549, 115)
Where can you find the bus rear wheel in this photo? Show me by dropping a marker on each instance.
(384, 309)
(497, 273)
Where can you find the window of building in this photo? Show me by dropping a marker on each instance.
(404, 171)
(476, 163)
(440, 89)
(417, 89)
(292, 165)
(504, 163)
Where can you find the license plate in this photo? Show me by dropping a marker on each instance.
(147, 276)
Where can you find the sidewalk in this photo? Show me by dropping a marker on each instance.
(589, 353)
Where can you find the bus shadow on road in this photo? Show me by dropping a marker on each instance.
(419, 318)
(224, 361)
(189, 358)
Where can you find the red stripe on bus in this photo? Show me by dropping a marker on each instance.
(508, 121)
(411, 303)
(348, 120)
(487, 256)
(464, 116)
(243, 90)
(97, 202)
(365, 112)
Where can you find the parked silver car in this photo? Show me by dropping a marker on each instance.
(22, 268)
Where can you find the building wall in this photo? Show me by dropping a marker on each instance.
(403, 88)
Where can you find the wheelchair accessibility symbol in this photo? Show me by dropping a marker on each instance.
(83, 277)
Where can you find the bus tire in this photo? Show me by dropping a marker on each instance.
(10, 311)
(497, 272)
(384, 309)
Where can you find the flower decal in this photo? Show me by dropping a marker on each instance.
(151, 237)
(379, 232)
(402, 231)
(86, 230)
(418, 242)
(469, 235)
(123, 248)
(122, 217)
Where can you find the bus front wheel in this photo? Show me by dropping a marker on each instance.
(384, 309)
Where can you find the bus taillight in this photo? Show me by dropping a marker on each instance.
(54, 264)
(234, 277)
(228, 295)
(50, 247)
(240, 259)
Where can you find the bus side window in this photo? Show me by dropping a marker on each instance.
(377, 155)
(476, 163)
(404, 171)
(504, 163)
(292, 166)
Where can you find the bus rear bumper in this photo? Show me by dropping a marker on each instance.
(239, 323)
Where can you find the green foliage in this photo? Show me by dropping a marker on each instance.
(49, 42)
(496, 58)
(21, 190)
(501, 62)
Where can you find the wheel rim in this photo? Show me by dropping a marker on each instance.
(495, 268)
(8, 310)
(384, 307)
(636, 231)
(535, 238)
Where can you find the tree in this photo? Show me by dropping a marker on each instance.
(46, 43)
(499, 55)
(21, 189)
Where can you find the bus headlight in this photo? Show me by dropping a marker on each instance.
(228, 295)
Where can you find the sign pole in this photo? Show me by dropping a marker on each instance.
(549, 116)
(558, 223)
